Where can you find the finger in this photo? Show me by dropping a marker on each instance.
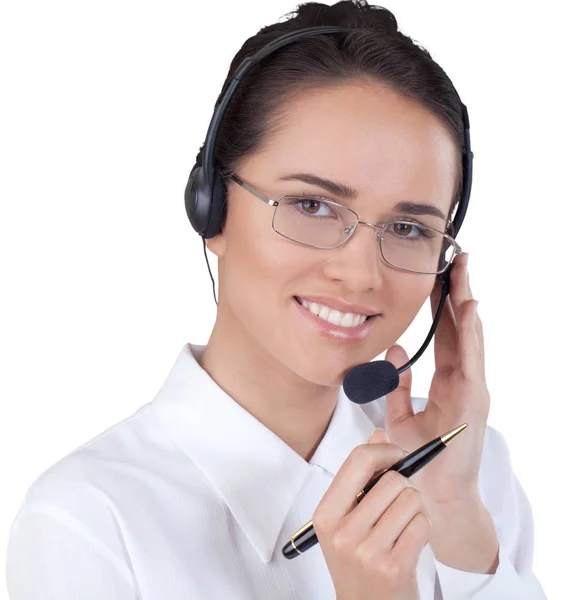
(446, 336)
(480, 333)
(451, 343)
(460, 285)
(398, 402)
(379, 436)
(394, 520)
(471, 353)
(415, 536)
(478, 326)
(358, 524)
(357, 470)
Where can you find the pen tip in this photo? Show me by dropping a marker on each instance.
(448, 437)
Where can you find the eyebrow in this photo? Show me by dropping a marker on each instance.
(345, 191)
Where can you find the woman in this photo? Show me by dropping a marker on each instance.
(195, 494)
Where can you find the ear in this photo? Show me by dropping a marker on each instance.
(216, 244)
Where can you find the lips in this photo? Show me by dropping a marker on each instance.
(331, 315)
(339, 305)
(340, 333)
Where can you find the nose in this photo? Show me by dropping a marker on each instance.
(357, 263)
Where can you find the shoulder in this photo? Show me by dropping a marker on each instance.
(109, 498)
(115, 494)
(104, 474)
(70, 517)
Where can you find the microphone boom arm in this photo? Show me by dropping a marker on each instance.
(445, 283)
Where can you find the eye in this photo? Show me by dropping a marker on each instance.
(314, 207)
(409, 231)
(403, 229)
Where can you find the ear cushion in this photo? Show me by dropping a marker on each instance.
(217, 208)
(197, 200)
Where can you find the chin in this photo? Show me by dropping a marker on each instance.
(320, 366)
(319, 376)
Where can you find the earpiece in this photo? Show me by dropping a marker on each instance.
(205, 204)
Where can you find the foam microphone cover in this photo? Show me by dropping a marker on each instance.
(370, 381)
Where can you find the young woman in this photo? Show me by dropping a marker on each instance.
(341, 159)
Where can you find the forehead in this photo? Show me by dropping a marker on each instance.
(367, 136)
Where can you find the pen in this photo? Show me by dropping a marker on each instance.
(305, 537)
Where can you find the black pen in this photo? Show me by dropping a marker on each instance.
(305, 537)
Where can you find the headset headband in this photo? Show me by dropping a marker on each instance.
(204, 195)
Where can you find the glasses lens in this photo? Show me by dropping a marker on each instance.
(315, 222)
(417, 248)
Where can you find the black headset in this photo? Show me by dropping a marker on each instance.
(205, 193)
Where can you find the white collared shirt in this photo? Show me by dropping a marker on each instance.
(193, 498)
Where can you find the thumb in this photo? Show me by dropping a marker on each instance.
(379, 436)
(398, 402)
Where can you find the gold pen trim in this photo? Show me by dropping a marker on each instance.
(448, 437)
(300, 531)
(294, 545)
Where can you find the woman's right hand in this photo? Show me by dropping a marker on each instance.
(372, 548)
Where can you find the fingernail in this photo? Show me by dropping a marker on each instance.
(379, 434)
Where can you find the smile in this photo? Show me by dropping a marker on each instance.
(332, 315)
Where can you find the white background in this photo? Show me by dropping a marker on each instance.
(104, 106)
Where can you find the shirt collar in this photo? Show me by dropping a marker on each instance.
(257, 474)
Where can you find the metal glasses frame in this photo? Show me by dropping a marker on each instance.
(380, 229)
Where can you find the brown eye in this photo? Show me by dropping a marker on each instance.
(310, 206)
(408, 231)
(402, 229)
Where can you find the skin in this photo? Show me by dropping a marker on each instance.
(389, 149)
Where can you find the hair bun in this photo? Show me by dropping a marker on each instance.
(346, 13)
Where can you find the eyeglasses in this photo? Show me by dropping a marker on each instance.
(317, 222)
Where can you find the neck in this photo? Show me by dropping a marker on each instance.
(296, 410)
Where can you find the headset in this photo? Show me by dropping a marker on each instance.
(205, 193)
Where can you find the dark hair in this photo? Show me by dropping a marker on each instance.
(377, 51)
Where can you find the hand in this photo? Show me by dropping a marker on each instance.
(458, 395)
(372, 548)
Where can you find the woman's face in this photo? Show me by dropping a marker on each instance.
(388, 149)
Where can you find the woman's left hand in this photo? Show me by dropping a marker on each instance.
(458, 395)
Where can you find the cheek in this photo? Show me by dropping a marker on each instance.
(410, 293)
(258, 264)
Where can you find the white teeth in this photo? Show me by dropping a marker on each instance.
(333, 316)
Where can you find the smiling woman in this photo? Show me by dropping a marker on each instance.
(344, 134)
(330, 191)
